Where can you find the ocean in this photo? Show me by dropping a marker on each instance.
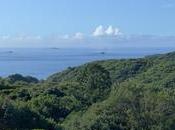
(43, 62)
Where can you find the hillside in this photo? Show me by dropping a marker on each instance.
(125, 94)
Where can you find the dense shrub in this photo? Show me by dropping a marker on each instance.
(133, 94)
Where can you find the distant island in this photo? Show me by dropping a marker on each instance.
(124, 94)
(55, 48)
(9, 51)
(102, 53)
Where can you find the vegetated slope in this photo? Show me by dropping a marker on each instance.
(133, 94)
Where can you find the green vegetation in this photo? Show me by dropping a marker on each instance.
(133, 94)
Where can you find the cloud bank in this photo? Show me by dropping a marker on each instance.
(101, 37)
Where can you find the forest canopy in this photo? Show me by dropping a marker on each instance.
(125, 94)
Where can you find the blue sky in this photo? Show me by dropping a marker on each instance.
(34, 20)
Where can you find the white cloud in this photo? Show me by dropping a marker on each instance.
(109, 31)
(26, 38)
(78, 35)
(38, 37)
(117, 32)
(111, 41)
(4, 37)
(66, 36)
(99, 31)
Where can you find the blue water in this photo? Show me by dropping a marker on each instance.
(43, 62)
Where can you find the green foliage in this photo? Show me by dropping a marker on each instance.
(133, 94)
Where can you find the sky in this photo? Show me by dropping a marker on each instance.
(50, 23)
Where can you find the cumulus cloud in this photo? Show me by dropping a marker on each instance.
(99, 31)
(109, 31)
(76, 36)
(117, 32)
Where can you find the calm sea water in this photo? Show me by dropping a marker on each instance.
(45, 61)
